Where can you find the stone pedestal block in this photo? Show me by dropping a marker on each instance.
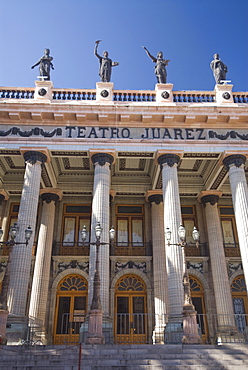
(164, 93)
(224, 94)
(104, 91)
(43, 90)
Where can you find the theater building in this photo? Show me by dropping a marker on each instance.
(142, 162)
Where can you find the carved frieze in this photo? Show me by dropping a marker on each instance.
(119, 266)
(84, 266)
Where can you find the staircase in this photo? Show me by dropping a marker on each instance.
(125, 357)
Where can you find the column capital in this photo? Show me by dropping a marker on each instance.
(41, 156)
(210, 198)
(237, 159)
(3, 195)
(169, 158)
(153, 192)
(102, 158)
(156, 198)
(50, 194)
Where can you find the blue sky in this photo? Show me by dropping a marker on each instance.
(188, 32)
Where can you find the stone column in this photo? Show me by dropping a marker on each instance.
(39, 292)
(222, 292)
(100, 213)
(235, 164)
(21, 254)
(3, 197)
(159, 265)
(174, 256)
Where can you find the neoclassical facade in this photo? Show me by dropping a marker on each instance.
(142, 162)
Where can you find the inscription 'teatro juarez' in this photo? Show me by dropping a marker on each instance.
(135, 133)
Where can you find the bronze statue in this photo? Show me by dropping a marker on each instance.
(219, 69)
(106, 64)
(160, 70)
(45, 63)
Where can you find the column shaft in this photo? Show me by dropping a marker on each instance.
(21, 254)
(172, 219)
(240, 203)
(221, 284)
(159, 265)
(39, 293)
(100, 213)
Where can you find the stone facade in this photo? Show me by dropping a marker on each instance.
(141, 161)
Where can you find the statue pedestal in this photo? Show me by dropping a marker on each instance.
(3, 322)
(43, 90)
(164, 93)
(224, 94)
(95, 328)
(104, 91)
(190, 327)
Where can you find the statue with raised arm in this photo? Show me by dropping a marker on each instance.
(160, 70)
(45, 63)
(219, 69)
(106, 64)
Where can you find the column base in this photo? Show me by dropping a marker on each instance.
(95, 328)
(174, 330)
(3, 323)
(158, 336)
(17, 330)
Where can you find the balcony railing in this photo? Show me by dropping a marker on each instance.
(131, 249)
(70, 249)
(135, 96)
(144, 328)
(232, 250)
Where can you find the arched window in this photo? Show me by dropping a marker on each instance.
(197, 295)
(71, 304)
(130, 310)
(240, 302)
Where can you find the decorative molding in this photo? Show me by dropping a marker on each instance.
(231, 134)
(33, 156)
(195, 266)
(37, 131)
(169, 159)
(237, 159)
(219, 178)
(73, 265)
(233, 267)
(134, 154)
(119, 266)
(68, 154)
(45, 177)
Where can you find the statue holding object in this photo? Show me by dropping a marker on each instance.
(45, 63)
(160, 70)
(219, 69)
(106, 64)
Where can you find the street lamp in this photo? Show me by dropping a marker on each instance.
(5, 284)
(190, 326)
(95, 315)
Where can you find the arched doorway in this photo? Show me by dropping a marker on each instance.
(70, 311)
(240, 302)
(130, 310)
(197, 295)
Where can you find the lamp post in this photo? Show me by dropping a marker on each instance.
(190, 326)
(95, 315)
(5, 284)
